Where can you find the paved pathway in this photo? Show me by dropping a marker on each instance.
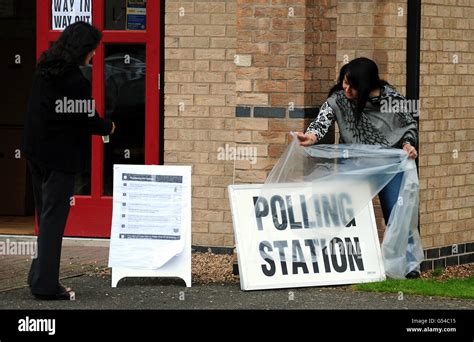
(84, 268)
(78, 257)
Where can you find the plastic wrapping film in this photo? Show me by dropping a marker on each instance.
(355, 174)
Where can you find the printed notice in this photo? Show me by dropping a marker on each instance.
(151, 206)
(67, 12)
(136, 15)
(150, 213)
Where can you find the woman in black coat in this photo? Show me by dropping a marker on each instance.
(60, 120)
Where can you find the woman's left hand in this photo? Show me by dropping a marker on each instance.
(410, 150)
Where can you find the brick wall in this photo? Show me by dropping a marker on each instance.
(242, 73)
(200, 107)
(274, 61)
(377, 30)
(286, 64)
(447, 122)
(291, 47)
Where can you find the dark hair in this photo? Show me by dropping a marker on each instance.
(363, 75)
(70, 50)
(338, 85)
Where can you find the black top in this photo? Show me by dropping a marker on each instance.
(55, 137)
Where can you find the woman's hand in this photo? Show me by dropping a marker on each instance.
(410, 150)
(306, 139)
(113, 128)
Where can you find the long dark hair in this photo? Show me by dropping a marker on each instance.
(363, 75)
(338, 85)
(70, 50)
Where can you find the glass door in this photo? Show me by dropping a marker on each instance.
(125, 85)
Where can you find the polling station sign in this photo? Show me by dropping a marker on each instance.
(295, 235)
(67, 12)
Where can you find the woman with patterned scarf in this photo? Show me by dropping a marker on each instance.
(359, 105)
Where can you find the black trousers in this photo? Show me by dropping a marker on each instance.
(52, 191)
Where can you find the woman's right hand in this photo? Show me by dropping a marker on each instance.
(306, 139)
(113, 128)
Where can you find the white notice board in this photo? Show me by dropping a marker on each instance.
(67, 12)
(282, 242)
(151, 222)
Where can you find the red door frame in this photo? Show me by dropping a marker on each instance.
(91, 216)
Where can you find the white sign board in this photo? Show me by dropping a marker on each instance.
(67, 12)
(283, 240)
(151, 222)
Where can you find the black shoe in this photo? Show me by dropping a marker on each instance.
(413, 275)
(63, 294)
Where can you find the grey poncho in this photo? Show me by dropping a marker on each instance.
(384, 121)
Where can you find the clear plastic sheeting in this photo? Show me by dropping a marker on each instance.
(343, 180)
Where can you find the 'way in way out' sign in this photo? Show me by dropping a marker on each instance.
(288, 236)
(67, 12)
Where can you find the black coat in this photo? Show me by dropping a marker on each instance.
(56, 138)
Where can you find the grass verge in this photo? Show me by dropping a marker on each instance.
(454, 288)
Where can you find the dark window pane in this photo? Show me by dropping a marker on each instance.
(83, 178)
(125, 71)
